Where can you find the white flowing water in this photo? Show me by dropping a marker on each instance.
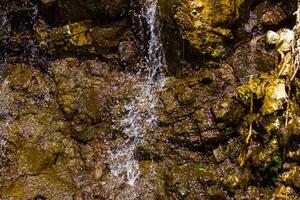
(141, 110)
(4, 109)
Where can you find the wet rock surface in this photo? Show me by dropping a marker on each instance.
(67, 68)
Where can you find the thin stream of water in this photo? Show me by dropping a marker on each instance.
(142, 108)
(4, 109)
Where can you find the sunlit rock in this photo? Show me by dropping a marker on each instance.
(204, 24)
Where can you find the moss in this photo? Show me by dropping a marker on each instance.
(283, 192)
(219, 52)
(254, 85)
(32, 160)
(85, 136)
(199, 166)
(292, 177)
(227, 110)
(275, 167)
(183, 188)
(202, 23)
(222, 108)
(184, 126)
(215, 192)
(48, 184)
(16, 190)
(272, 123)
(268, 87)
(237, 179)
(92, 5)
(20, 76)
(294, 126)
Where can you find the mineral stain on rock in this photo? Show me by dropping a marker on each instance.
(67, 68)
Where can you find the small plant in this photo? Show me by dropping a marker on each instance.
(183, 188)
(199, 166)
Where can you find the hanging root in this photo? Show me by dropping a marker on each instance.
(251, 116)
(296, 45)
(287, 113)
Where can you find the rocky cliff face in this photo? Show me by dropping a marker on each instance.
(68, 67)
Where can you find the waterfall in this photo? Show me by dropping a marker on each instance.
(4, 109)
(141, 110)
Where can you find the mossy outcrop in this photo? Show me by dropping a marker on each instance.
(67, 68)
(204, 25)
